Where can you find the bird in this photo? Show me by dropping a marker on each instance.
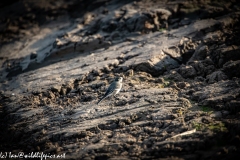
(113, 89)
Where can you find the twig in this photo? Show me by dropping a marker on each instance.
(184, 133)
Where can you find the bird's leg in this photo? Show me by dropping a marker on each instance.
(117, 97)
(110, 103)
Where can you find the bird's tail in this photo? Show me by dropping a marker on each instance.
(100, 100)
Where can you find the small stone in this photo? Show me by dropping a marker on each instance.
(200, 53)
(183, 85)
(175, 76)
(121, 124)
(51, 95)
(216, 76)
(69, 88)
(187, 71)
(56, 88)
(44, 131)
(159, 80)
(96, 72)
(129, 73)
(63, 91)
(216, 114)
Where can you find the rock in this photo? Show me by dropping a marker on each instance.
(187, 71)
(216, 76)
(63, 91)
(129, 73)
(232, 69)
(56, 88)
(121, 102)
(175, 76)
(50, 95)
(224, 54)
(88, 18)
(121, 124)
(203, 67)
(159, 80)
(149, 21)
(200, 53)
(217, 94)
(216, 114)
(172, 85)
(163, 14)
(182, 85)
(86, 98)
(185, 103)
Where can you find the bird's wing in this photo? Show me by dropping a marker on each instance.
(110, 90)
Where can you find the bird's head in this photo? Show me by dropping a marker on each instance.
(118, 79)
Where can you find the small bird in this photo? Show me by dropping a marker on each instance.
(113, 89)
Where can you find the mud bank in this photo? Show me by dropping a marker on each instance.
(180, 63)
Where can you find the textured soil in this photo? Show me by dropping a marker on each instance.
(179, 60)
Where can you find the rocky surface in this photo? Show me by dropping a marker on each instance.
(179, 61)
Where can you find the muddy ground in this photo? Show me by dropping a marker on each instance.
(179, 60)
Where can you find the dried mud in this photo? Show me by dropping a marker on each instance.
(180, 66)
